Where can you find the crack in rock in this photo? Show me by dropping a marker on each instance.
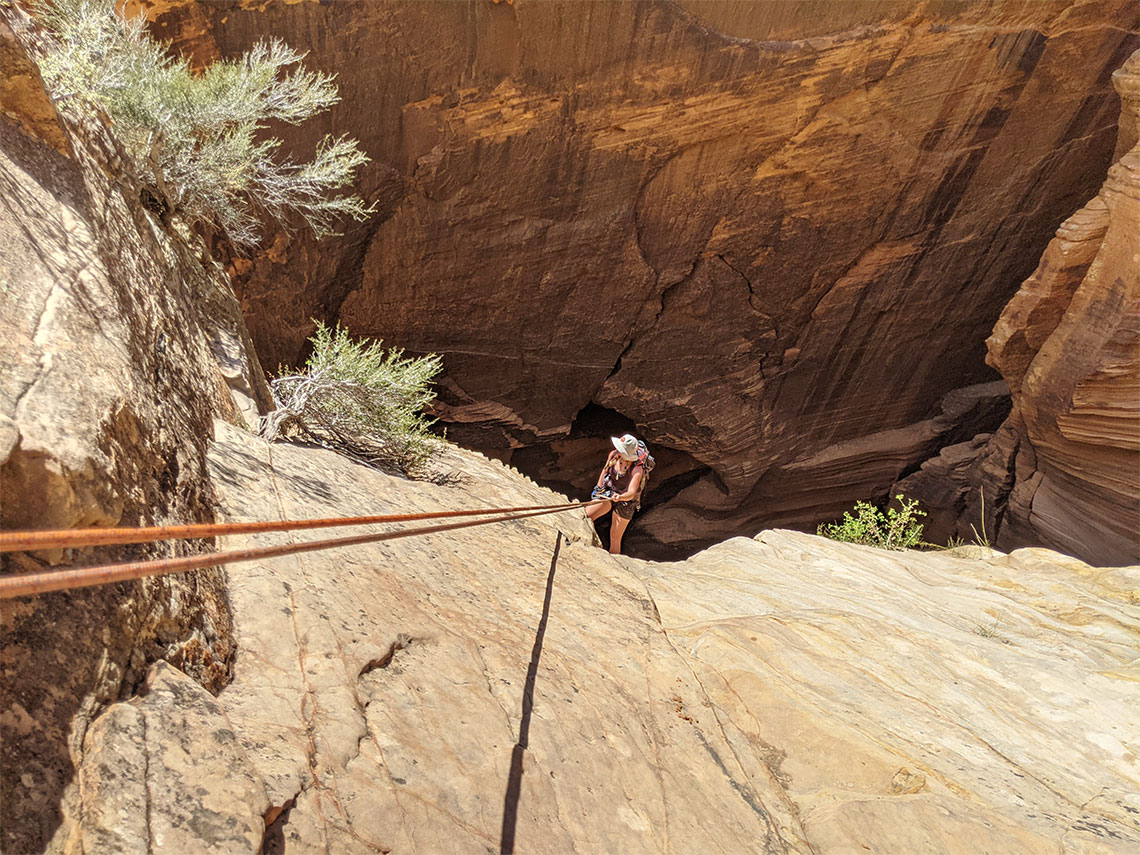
(403, 641)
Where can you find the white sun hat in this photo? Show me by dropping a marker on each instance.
(626, 445)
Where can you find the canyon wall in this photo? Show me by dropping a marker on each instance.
(771, 240)
(118, 350)
(1064, 469)
(382, 699)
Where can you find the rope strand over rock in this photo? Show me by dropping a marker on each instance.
(31, 584)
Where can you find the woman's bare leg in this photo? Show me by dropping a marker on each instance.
(598, 510)
(617, 529)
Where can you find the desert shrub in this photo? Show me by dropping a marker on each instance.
(898, 528)
(195, 138)
(360, 399)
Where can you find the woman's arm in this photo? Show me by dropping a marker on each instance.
(634, 485)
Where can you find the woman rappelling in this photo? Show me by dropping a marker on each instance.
(621, 483)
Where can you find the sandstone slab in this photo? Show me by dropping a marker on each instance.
(386, 697)
(515, 688)
(922, 702)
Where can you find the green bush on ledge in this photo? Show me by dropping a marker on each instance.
(196, 139)
(359, 399)
(898, 528)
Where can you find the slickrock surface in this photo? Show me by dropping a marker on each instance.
(1064, 470)
(783, 695)
(923, 702)
(759, 231)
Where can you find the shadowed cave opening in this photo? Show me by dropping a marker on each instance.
(571, 465)
(786, 496)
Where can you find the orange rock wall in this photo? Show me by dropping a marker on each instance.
(769, 236)
(1068, 344)
(1064, 468)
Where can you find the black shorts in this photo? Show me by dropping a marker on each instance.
(625, 510)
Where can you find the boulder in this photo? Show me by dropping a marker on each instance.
(164, 773)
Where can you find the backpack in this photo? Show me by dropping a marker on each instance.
(645, 460)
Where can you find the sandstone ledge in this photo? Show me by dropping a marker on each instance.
(785, 694)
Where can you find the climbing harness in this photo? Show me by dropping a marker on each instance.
(81, 577)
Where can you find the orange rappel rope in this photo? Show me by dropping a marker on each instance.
(23, 541)
(82, 577)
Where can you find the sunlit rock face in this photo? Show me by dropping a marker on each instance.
(1078, 398)
(514, 688)
(1063, 469)
(756, 232)
(117, 350)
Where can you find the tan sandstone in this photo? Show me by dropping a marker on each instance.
(118, 348)
(786, 694)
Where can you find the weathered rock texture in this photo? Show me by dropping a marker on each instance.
(766, 234)
(163, 773)
(1064, 470)
(515, 688)
(118, 350)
